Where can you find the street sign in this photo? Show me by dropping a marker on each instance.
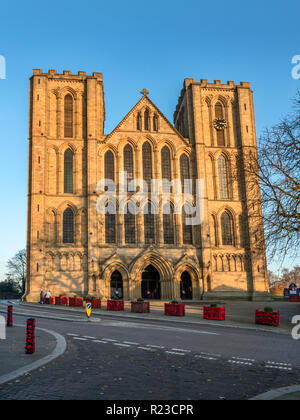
(293, 289)
(88, 309)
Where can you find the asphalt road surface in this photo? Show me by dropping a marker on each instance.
(124, 359)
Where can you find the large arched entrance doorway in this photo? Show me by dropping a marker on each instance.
(186, 287)
(151, 283)
(116, 285)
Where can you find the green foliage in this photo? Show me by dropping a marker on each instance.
(10, 287)
(16, 267)
(140, 300)
(175, 302)
(268, 309)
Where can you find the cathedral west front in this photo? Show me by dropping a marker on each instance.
(153, 209)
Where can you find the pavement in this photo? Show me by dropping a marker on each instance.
(14, 361)
(239, 314)
(51, 345)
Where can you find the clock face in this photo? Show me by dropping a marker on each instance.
(220, 123)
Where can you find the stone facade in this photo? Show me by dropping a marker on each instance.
(74, 249)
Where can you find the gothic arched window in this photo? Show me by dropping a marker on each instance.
(149, 224)
(110, 224)
(129, 223)
(223, 177)
(166, 167)
(219, 110)
(185, 173)
(155, 123)
(219, 114)
(139, 121)
(187, 229)
(146, 120)
(109, 166)
(68, 171)
(147, 164)
(68, 226)
(227, 229)
(68, 115)
(168, 223)
(128, 162)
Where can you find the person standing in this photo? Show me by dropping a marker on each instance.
(42, 297)
(47, 296)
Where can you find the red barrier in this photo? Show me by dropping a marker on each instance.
(115, 305)
(216, 314)
(96, 303)
(10, 316)
(140, 307)
(175, 309)
(267, 318)
(30, 337)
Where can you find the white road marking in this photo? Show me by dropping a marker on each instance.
(121, 345)
(210, 354)
(79, 338)
(87, 336)
(240, 363)
(155, 347)
(131, 343)
(181, 350)
(72, 335)
(146, 348)
(279, 364)
(100, 341)
(198, 356)
(278, 367)
(109, 339)
(243, 359)
(175, 352)
(156, 327)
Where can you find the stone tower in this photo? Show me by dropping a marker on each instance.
(219, 121)
(66, 111)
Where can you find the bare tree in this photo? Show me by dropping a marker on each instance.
(276, 170)
(17, 269)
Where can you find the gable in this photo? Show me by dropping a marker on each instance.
(129, 122)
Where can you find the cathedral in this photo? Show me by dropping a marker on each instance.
(153, 209)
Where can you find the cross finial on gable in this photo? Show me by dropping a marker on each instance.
(144, 92)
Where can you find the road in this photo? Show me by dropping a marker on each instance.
(120, 358)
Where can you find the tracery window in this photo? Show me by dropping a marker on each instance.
(149, 224)
(68, 226)
(185, 173)
(147, 164)
(128, 163)
(110, 224)
(219, 114)
(68, 171)
(223, 177)
(129, 223)
(187, 229)
(166, 167)
(227, 229)
(109, 167)
(168, 223)
(146, 120)
(68, 116)
(155, 122)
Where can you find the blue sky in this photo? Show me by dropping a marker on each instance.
(137, 44)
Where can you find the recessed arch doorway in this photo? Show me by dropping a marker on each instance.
(151, 287)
